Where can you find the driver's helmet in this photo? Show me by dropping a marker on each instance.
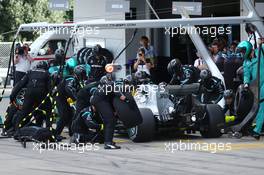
(205, 74)
(174, 67)
(59, 55)
(228, 94)
(42, 65)
(80, 72)
(244, 48)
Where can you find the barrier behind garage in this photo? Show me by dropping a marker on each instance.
(5, 48)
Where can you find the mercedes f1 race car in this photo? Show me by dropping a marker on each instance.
(175, 106)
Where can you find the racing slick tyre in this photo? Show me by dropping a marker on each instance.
(214, 121)
(145, 131)
(244, 101)
(107, 54)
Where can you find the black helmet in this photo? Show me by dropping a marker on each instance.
(96, 49)
(59, 55)
(205, 74)
(107, 79)
(174, 67)
(80, 72)
(42, 65)
(228, 94)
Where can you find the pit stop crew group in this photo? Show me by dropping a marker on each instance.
(56, 86)
(93, 119)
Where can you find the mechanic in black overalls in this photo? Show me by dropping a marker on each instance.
(37, 83)
(182, 74)
(87, 127)
(12, 109)
(84, 96)
(212, 88)
(97, 63)
(101, 102)
(67, 93)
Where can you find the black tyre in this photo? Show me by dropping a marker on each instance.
(145, 131)
(243, 103)
(214, 121)
(108, 55)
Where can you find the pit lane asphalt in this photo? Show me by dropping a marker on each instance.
(162, 156)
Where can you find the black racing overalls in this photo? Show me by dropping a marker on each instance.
(102, 102)
(37, 84)
(68, 88)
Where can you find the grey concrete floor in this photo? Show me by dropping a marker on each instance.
(208, 156)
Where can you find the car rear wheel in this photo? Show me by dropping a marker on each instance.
(146, 130)
(214, 121)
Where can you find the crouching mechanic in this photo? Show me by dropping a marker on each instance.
(87, 127)
(182, 74)
(67, 91)
(212, 88)
(8, 128)
(101, 102)
(37, 83)
(83, 97)
(250, 66)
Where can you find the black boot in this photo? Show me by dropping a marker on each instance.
(111, 146)
(59, 138)
(255, 135)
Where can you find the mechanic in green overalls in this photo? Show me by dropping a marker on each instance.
(250, 66)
